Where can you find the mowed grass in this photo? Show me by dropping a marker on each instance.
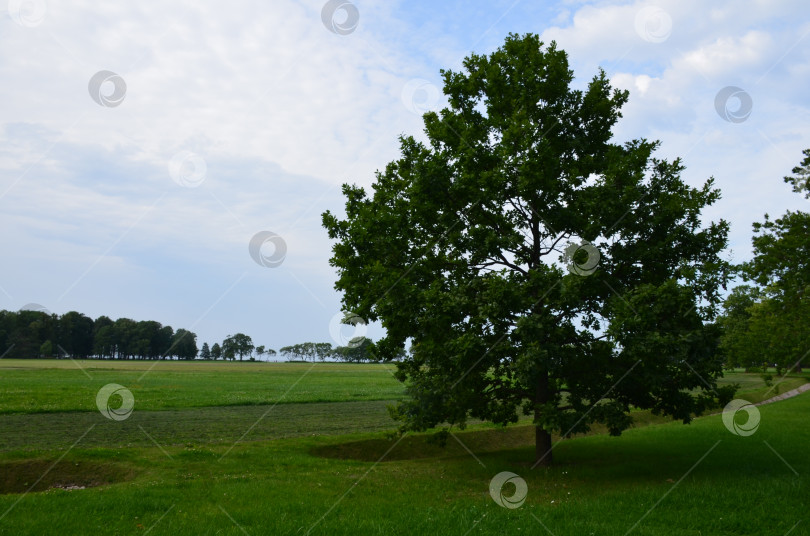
(329, 468)
(28, 386)
(39, 385)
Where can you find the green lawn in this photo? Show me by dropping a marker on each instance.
(28, 386)
(328, 467)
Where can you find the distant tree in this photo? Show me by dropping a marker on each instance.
(779, 332)
(144, 332)
(32, 329)
(358, 350)
(7, 322)
(101, 322)
(184, 344)
(780, 324)
(270, 354)
(323, 350)
(102, 344)
(239, 344)
(229, 348)
(309, 349)
(260, 351)
(46, 350)
(205, 352)
(75, 334)
(216, 351)
(734, 323)
(294, 352)
(162, 341)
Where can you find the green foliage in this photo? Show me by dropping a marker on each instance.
(735, 324)
(801, 176)
(239, 344)
(768, 325)
(358, 350)
(184, 344)
(46, 350)
(460, 247)
(308, 351)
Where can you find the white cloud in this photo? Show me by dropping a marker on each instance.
(283, 111)
(729, 55)
(245, 80)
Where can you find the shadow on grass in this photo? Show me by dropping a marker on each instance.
(461, 443)
(516, 442)
(419, 446)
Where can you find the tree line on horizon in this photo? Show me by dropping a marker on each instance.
(28, 334)
(241, 346)
(32, 334)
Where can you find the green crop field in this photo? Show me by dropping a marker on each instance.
(278, 448)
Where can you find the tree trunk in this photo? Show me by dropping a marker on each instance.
(542, 447)
(542, 439)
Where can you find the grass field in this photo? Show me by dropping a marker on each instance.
(29, 386)
(255, 448)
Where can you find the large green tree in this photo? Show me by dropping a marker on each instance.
(534, 265)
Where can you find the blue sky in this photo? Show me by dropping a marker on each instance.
(266, 112)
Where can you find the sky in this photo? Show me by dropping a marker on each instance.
(171, 160)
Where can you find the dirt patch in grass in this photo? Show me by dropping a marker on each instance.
(41, 475)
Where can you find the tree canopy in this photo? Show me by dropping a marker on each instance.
(535, 265)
